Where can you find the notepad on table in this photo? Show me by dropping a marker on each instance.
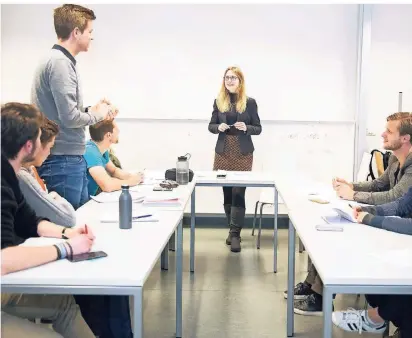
(161, 202)
(112, 197)
(345, 212)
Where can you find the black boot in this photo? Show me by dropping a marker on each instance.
(228, 208)
(236, 225)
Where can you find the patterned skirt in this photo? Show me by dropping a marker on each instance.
(232, 159)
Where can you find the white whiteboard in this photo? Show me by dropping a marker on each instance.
(167, 61)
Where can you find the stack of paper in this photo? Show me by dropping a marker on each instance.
(161, 202)
(113, 197)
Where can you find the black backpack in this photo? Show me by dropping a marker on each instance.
(385, 156)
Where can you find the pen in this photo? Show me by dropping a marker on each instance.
(141, 216)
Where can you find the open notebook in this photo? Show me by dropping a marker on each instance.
(345, 212)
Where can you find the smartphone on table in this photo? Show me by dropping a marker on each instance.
(87, 256)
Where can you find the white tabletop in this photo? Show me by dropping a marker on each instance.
(131, 254)
(183, 192)
(360, 255)
(235, 177)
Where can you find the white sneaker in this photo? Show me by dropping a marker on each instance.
(353, 320)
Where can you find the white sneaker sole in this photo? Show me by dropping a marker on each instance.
(336, 323)
(308, 313)
(285, 295)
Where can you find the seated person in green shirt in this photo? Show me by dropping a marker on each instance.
(101, 172)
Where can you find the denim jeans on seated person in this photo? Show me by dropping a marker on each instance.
(66, 175)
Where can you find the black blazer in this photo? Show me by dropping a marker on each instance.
(250, 117)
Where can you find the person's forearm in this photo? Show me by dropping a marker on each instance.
(49, 229)
(20, 258)
(114, 184)
(362, 186)
(121, 174)
(394, 224)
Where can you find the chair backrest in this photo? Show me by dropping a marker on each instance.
(267, 196)
(364, 167)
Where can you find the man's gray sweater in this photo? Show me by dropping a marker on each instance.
(56, 92)
(393, 184)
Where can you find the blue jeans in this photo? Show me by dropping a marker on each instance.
(66, 175)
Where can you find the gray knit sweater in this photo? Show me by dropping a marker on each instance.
(57, 92)
(393, 184)
(58, 211)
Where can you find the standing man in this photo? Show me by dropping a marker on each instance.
(57, 93)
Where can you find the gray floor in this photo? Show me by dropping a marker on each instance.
(231, 295)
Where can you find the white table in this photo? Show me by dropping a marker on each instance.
(132, 255)
(352, 261)
(183, 192)
(233, 179)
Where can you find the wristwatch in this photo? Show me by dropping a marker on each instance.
(63, 235)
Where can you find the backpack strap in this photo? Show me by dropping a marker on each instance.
(371, 175)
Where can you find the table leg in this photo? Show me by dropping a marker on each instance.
(301, 247)
(138, 313)
(327, 312)
(192, 230)
(164, 258)
(172, 242)
(291, 280)
(179, 279)
(275, 232)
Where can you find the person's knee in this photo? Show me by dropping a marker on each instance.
(12, 326)
(67, 307)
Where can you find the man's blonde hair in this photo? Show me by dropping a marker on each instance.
(405, 123)
(68, 17)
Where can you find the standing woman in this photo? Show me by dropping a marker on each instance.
(235, 118)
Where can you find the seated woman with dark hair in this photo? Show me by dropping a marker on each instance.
(45, 204)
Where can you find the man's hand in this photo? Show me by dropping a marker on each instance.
(79, 230)
(361, 216)
(345, 191)
(101, 109)
(135, 179)
(356, 210)
(105, 100)
(112, 109)
(337, 182)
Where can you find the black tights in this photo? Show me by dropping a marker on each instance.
(234, 196)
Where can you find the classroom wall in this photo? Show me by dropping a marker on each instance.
(390, 67)
(322, 149)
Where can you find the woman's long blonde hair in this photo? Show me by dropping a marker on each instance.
(223, 99)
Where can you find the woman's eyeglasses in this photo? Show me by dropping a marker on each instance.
(230, 78)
